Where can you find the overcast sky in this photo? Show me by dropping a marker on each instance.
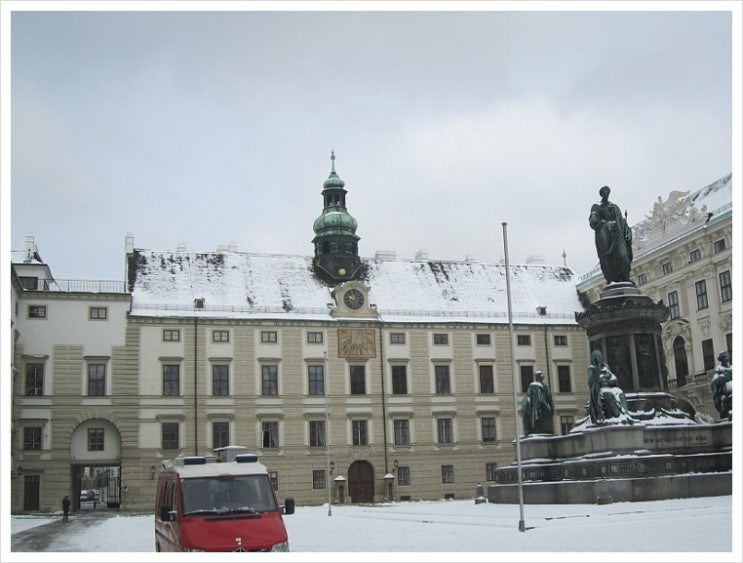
(205, 128)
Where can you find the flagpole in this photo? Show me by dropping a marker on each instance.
(522, 525)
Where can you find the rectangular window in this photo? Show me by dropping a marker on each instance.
(220, 380)
(358, 428)
(564, 384)
(667, 268)
(440, 338)
(96, 380)
(642, 279)
(447, 473)
(314, 338)
(32, 438)
(37, 311)
(719, 245)
(726, 287)
(316, 380)
(527, 377)
(318, 478)
(673, 305)
(483, 339)
(399, 380)
(358, 380)
(317, 433)
(269, 380)
(701, 289)
(220, 336)
(34, 379)
(98, 313)
(443, 380)
(488, 429)
(397, 338)
(487, 385)
(490, 471)
(171, 380)
(403, 476)
(445, 430)
(269, 336)
(220, 434)
(270, 434)
(523, 339)
(170, 439)
(95, 439)
(171, 335)
(402, 432)
(695, 256)
(708, 354)
(560, 339)
(566, 423)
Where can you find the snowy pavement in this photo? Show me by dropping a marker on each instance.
(678, 527)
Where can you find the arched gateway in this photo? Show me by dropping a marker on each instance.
(95, 465)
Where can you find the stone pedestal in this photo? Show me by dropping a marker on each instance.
(652, 460)
(625, 325)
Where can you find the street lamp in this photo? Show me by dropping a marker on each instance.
(329, 463)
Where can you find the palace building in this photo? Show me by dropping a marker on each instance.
(353, 379)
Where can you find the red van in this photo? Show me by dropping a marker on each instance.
(219, 503)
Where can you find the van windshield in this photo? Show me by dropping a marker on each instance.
(227, 495)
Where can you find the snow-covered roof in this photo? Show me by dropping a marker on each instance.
(246, 285)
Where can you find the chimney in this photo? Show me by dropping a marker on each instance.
(129, 243)
(422, 254)
(30, 247)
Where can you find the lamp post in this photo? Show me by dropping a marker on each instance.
(327, 432)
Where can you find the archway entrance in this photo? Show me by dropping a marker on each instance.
(361, 482)
(95, 472)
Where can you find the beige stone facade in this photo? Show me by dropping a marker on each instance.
(451, 437)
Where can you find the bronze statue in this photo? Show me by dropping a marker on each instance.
(607, 399)
(613, 238)
(538, 407)
(722, 386)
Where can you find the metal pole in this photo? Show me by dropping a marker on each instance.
(327, 432)
(522, 525)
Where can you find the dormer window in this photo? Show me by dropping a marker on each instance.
(29, 283)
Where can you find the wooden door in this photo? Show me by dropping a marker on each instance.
(361, 482)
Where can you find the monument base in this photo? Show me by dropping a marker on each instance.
(627, 461)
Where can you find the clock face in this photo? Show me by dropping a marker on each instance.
(353, 299)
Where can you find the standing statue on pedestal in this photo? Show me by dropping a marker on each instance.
(613, 238)
(538, 407)
(722, 386)
(607, 399)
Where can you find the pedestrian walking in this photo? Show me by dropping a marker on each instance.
(65, 508)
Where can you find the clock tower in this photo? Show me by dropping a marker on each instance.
(336, 242)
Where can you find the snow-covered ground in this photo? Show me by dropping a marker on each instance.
(674, 530)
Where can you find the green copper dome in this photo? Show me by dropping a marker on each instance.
(335, 222)
(336, 241)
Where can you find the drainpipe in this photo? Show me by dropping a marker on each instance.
(198, 304)
(384, 406)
